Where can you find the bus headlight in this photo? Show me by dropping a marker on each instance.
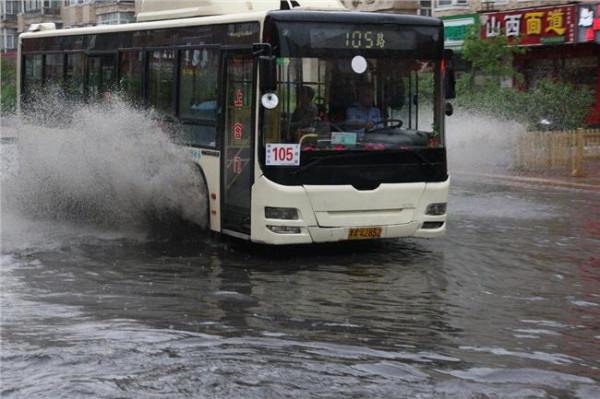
(436, 209)
(281, 213)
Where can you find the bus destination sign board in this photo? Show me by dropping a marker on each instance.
(350, 38)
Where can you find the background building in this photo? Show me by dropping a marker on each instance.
(17, 15)
(561, 38)
(443, 8)
(38, 11)
(8, 25)
(393, 6)
(76, 13)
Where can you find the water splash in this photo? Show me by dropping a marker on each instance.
(107, 163)
(480, 143)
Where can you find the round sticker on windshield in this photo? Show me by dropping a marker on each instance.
(359, 64)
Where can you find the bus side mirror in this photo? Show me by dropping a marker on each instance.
(449, 76)
(268, 73)
(267, 66)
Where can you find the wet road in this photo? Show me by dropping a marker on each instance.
(506, 306)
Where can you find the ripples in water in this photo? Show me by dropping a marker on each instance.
(506, 306)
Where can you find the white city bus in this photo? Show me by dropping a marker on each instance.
(305, 125)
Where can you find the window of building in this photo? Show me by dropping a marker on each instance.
(52, 4)
(33, 5)
(115, 18)
(9, 41)
(161, 83)
(451, 3)
(11, 7)
(425, 8)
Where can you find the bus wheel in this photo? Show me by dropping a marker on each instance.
(195, 208)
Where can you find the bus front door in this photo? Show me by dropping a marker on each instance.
(238, 139)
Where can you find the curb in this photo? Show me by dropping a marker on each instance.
(536, 181)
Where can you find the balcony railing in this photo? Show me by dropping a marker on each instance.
(43, 11)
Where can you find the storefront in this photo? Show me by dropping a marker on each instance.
(456, 28)
(562, 43)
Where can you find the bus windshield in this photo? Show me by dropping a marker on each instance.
(345, 88)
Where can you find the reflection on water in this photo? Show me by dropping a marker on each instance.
(506, 306)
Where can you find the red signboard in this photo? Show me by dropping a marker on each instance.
(589, 23)
(532, 26)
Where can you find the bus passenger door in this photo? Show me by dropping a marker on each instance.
(238, 139)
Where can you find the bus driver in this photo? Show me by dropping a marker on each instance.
(362, 115)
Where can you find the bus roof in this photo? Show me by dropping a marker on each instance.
(357, 17)
(283, 15)
(163, 24)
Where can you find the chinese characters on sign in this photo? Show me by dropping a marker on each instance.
(589, 23)
(238, 131)
(532, 26)
(238, 101)
(533, 23)
(237, 165)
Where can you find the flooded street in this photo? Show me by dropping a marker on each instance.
(131, 132)
(506, 306)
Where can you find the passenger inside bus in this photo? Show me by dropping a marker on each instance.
(306, 112)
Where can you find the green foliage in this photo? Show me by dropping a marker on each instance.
(490, 59)
(8, 82)
(492, 99)
(481, 90)
(563, 104)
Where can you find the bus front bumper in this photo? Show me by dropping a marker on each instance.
(330, 214)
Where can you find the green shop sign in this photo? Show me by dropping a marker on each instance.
(456, 28)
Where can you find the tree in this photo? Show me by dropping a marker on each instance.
(8, 86)
(563, 104)
(491, 59)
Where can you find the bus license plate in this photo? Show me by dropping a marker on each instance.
(365, 233)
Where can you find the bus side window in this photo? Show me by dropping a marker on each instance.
(54, 70)
(101, 75)
(74, 75)
(161, 71)
(32, 79)
(198, 95)
(131, 66)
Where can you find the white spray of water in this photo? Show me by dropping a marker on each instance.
(479, 143)
(108, 164)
